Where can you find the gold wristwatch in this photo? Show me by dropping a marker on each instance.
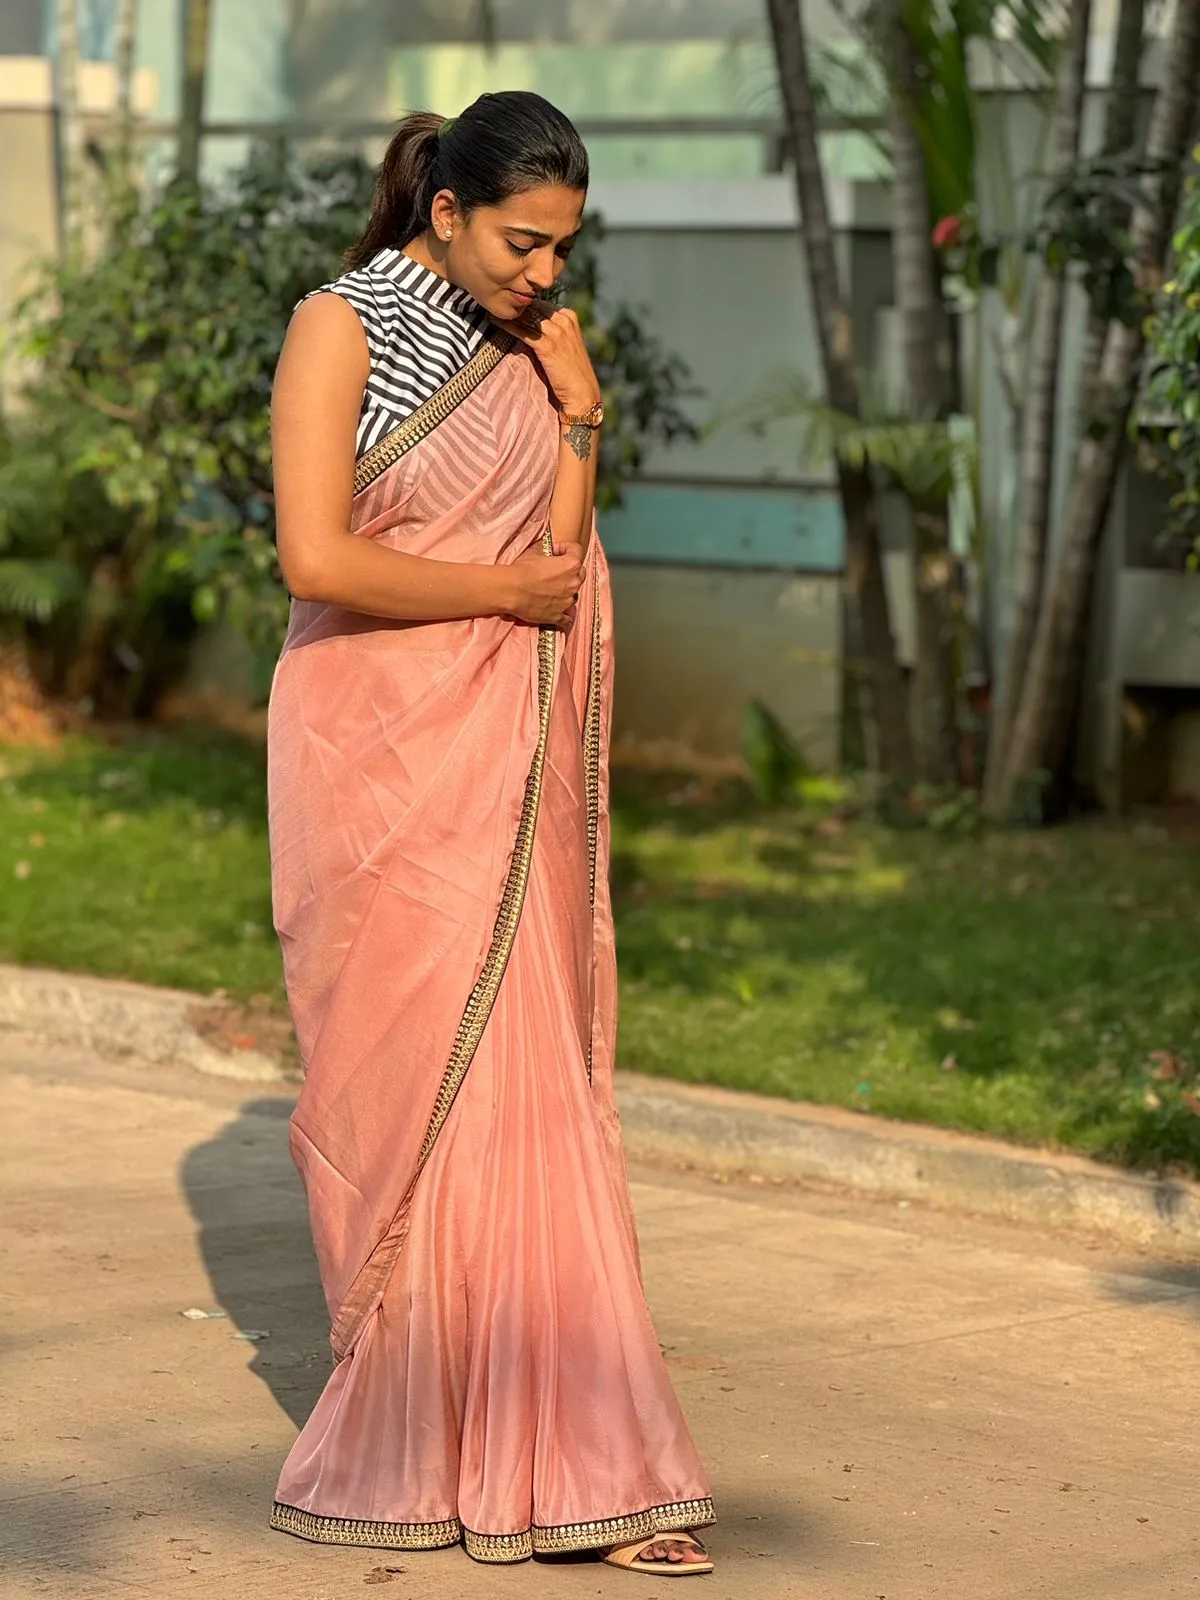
(586, 419)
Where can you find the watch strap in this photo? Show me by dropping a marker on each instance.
(591, 418)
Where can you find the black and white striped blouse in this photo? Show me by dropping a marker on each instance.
(420, 331)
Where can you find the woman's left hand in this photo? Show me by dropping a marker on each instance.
(556, 339)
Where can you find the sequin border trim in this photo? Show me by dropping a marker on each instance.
(591, 767)
(433, 411)
(679, 1517)
(378, 1535)
(591, 746)
(498, 1547)
(483, 996)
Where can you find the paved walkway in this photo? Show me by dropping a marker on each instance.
(896, 1405)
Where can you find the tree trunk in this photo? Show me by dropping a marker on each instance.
(884, 680)
(1039, 416)
(1049, 693)
(197, 15)
(125, 55)
(934, 701)
(1120, 133)
(70, 132)
(927, 353)
(89, 664)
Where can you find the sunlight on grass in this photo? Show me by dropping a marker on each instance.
(1011, 984)
(1041, 987)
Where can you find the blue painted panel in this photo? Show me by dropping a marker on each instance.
(796, 529)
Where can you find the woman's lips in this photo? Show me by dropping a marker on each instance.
(521, 299)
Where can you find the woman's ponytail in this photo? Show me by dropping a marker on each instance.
(403, 188)
(501, 145)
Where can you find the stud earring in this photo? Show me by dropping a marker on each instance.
(447, 235)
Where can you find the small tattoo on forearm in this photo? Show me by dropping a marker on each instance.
(579, 437)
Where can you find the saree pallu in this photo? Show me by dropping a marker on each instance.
(439, 841)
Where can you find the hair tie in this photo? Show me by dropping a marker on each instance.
(446, 126)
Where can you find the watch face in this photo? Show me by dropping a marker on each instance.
(596, 414)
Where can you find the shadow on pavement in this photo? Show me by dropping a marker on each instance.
(247, 1201)
(1142, 1282)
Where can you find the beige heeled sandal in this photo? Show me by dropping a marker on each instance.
(629, 1557)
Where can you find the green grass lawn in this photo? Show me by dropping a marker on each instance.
(146, 860)
(1042, 987)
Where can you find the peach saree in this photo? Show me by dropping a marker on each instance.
(439, 844)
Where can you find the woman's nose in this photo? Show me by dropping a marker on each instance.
(540, 272)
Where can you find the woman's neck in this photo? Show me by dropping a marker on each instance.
(428, 253)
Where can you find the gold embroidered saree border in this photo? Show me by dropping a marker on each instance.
(678, 1517)
(591, 747)
(434, 411)
(591, 770)
(483, 996)
(376, 1535)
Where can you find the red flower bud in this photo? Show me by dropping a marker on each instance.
(948, 233)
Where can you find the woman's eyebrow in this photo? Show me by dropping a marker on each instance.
(536, 233)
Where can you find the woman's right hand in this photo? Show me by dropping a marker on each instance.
(545, 588)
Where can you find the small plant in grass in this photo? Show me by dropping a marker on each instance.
(1164, 1103)
(776, 766)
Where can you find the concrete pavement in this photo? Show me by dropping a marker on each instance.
(896, 1404)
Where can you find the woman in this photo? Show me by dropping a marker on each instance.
(439, 838)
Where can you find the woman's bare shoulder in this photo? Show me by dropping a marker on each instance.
(325, 314)
(326, 333)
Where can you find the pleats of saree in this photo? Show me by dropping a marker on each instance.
(509, 1390)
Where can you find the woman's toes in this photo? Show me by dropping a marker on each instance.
(677, 1550)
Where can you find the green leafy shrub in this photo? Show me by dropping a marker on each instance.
(1169, 414)
(135, 500)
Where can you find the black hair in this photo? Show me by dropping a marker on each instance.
(502, 145)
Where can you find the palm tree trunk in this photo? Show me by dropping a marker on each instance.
(927, 355)
(197, 16)
(1038, 419)
(884, 682)
(1120, 133)
(1048, 697)
(125, 55)
(70, 131)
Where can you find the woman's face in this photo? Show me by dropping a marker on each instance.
(505, 256)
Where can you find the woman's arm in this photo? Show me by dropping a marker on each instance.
(556, 339)
(314, 418)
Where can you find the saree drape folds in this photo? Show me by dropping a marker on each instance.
(439, 840)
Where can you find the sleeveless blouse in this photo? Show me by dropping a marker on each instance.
(420, 331)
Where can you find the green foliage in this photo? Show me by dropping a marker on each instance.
(140, 462)
(1082, 225)
(136, 497)
(923, 458)
(1169, 413)
(1018, 33)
